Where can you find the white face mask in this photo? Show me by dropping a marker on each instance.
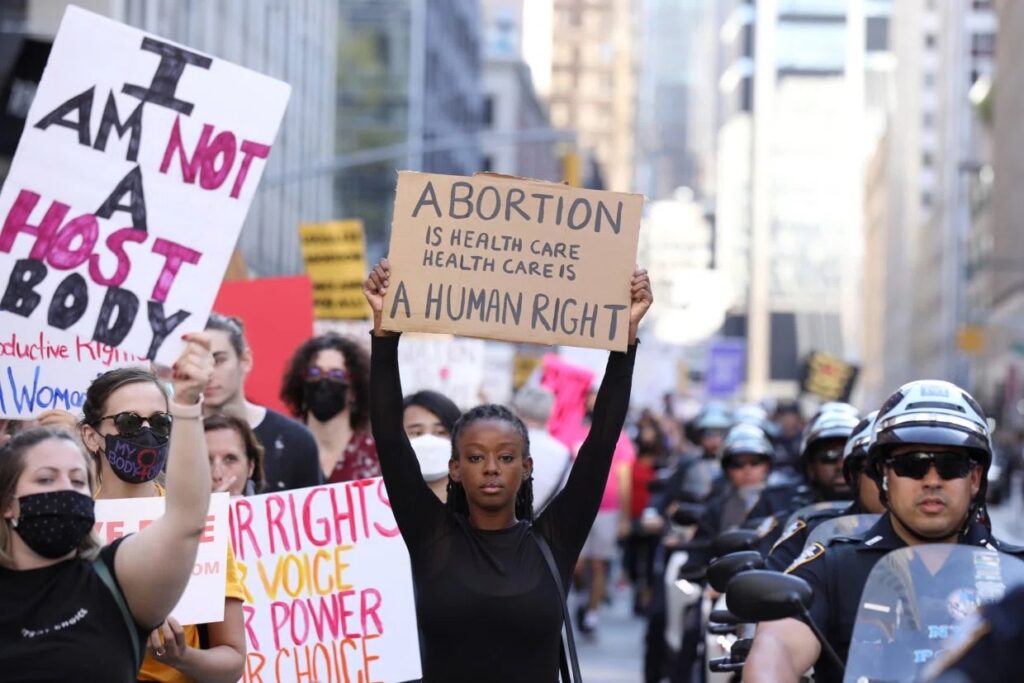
(433, 452)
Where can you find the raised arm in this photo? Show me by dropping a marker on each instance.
(568, 518)
(417, 510)
(154, 565)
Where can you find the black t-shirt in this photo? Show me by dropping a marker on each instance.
(61, 623)
(487, 605)
(291, 457)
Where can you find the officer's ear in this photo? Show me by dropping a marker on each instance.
(975, 481)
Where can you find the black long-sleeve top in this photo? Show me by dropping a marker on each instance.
(487, 605)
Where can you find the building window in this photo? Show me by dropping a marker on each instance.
(927, 119)
(982, 4)
(927, 160)
(929, 80)
(983, 44)
(926, 199)
(488, 113)
(930, 41)
(487, 163)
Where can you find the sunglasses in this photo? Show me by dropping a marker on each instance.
(129, 423)
(828, 456)
(335, 375)
(916, 465)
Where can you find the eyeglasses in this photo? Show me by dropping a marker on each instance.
(129, 423)
(828, 456)
(916, 465)
(335, 375)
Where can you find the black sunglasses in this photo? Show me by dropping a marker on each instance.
(129, 423)
(916, 465)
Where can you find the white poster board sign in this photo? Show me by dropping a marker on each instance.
(42, 371)
(203, 600)
(137, 166)
(328, 586)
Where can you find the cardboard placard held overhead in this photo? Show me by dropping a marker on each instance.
(335, 254)
(132, 178)
(512, 259)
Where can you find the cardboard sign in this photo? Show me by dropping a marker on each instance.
(131, 181)
(203, 600)
(726, 368)
(39, 372)
(512, 259)
(451, 366)
(335, 255)
(328, 584)
(828, 377)
(278, 317)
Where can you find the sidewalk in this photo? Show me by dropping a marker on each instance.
(615, 654)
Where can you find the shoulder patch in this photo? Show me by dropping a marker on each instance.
(810, 553)
(789, 533)
(766, 526)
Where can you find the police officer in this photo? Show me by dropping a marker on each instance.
(866, 499)
(822, 454)
(930, 452)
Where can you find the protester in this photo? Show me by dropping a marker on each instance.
(429, 412)
(290, 451)
(551, 458)
(127, 429)
(236, 456)
(326, 387)
(70, 611)
(487, 606)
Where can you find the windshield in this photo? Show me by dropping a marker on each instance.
(915, 600)
(847, 525)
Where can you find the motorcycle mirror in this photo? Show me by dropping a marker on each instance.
(734, 541)
(761, 595)
(722, 569)
(687, 514)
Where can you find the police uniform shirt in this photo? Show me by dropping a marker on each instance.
(792, 542)
(781, 500)
(838, 573)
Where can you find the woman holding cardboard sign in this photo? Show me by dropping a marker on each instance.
(68, 609)
(489, 604)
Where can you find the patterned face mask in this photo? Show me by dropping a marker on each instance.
(54, 523)
(138, 458)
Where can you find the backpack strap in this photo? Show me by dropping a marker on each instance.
(107, 578)
(568, 657)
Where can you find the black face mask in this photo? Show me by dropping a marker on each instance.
(326, 398)
(138, 458)
(54, 523)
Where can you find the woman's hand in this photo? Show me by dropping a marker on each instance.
(641, 298)
(194, 368)
(58, 419)
(374, 289)
(167, 643)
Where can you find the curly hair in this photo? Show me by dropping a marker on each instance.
(457, 501)
(357, 363)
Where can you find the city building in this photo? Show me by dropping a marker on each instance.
(590, 82)
(517, 138)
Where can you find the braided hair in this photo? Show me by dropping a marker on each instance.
(457, 501)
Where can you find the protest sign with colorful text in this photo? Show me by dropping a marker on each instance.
(328, 586)
(39, 372)
(512, 259)
(203, 600)
(131, 181)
